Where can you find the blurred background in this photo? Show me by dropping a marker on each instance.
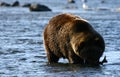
(22, 23)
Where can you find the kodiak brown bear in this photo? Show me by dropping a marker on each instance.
(69, 36)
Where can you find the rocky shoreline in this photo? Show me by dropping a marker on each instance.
(32, 6)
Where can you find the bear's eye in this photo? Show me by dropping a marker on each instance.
(97, 40)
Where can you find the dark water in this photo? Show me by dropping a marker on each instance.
(22, 52)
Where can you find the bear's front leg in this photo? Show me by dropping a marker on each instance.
(74, 59)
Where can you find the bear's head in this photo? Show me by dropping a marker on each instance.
(86, 42)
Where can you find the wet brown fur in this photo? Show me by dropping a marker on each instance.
(69, 36)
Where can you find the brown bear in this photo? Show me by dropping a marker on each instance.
(69, 36)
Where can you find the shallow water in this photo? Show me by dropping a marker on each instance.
(22, 52)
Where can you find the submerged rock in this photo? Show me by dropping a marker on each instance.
(39, 7)
(71, 1)
(4, 4)
(26, 5)
(16, 3)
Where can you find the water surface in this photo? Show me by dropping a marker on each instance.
(22, 51)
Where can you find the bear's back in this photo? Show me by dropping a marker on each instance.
(56, 33)
(62, 19)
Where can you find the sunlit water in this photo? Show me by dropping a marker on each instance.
(22, 51)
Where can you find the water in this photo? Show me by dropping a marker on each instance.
(22, 51)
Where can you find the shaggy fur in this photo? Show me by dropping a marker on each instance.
(71, 37)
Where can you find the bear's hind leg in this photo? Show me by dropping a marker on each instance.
(52, 58)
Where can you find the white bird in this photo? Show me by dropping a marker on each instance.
(84, 6)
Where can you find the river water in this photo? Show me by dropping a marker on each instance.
(22, 51)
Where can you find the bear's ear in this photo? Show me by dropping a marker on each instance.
(81, 26)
